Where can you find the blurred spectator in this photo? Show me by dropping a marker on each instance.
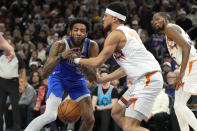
(33, 66)
(35, 81)
(193, 14)
(41, 51)
(104, 97)
(158, 44)
(166, 67)
(171, 84)
(168, 58)
(136, 27)
(34, 56)
(27, 98)
(183, 21)
(146, 42)
(41, 101)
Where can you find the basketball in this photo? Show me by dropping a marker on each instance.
(69, 111)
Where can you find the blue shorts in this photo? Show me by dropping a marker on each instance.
(77, 90)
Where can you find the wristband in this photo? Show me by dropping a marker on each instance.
(76, 60)
(60, 56)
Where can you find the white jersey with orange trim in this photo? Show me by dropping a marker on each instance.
(135, 60)
(176, 51)
(190, 77)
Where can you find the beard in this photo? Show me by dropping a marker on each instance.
(158, 29)
(77, 44)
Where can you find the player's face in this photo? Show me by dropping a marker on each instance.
(107, 19)
(158, 22)
(78, 33)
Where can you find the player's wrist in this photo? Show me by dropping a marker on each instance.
(60, 56)
(77, 60)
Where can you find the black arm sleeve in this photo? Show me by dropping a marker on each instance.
(95, 91)
(114, 93)
(20, 62)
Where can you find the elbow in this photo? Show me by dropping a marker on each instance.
(45, 74)
(188, 48)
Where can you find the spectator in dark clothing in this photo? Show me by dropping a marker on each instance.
(183, 21)
(104, 97)
(171, 85)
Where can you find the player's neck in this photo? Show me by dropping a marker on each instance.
(114, 26)
(75, 45)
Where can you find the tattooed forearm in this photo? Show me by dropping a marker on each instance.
(50, 66)
(53, 60)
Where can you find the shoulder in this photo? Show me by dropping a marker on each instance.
(93, 43)
(58, 46)
(172, 28)
(59, 43)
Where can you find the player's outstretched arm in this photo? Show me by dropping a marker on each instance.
(90, 72)
(117, 74)
(56, 54)
(110, 46)
(174, 33)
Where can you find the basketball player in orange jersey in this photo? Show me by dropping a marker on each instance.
(64, 75)
(183, 52)
(9, 50)
(136, 62)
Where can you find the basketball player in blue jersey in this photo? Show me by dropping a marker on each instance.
(67, 76)
(183, 52)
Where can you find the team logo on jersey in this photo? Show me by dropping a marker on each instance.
(171, 44)
(118, 54)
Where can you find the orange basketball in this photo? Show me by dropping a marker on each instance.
(69, 111)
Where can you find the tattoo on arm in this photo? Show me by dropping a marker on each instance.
(53, 60)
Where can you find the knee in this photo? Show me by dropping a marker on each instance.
(50, 116)
(113, 114)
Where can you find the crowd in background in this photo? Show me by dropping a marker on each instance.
(33, 25)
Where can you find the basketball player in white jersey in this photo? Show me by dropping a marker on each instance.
(183, 52)
(9, 50)
(136, 62)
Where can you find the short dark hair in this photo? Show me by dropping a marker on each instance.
(81, 21)
(165, 15)
(119, 7)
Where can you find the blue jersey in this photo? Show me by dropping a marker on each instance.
(67, 69)
(104, 99)
(68, 77)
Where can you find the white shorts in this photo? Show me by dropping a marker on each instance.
(139, 98)
(190, 78)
